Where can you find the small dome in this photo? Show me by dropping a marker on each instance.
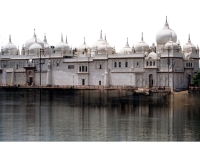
(82, 47)
(10, 48)
(62, 47)
(164, 34)
(105, 48)
(31, 41)
(188, 47)
(171, 43)
(141, 45)
(153, 55)
(34, 49)
(127, 49)
(98, 43)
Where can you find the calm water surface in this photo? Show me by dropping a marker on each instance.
(96, 115)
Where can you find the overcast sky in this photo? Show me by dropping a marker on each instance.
(118, 19)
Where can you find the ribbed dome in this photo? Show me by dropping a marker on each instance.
(31, 41)
(141, 45)
(188, 46)
(164, 35)
(34, 49)
(10, 48)
(62, 47)
(127, 49)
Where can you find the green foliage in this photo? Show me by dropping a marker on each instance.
(196, 79)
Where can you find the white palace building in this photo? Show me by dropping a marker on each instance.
(165, 64)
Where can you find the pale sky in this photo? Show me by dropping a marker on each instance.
(118, 19)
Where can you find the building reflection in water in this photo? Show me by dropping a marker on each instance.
(97, 115)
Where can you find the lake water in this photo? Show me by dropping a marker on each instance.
(97, 115)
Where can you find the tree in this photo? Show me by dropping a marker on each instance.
(196, 79)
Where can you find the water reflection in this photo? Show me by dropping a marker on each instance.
(97, 115)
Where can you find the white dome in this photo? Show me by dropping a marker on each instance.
(82, 47)
(164, 35)
(153, 55)
(188, 46)
(62, 47)
(187, 55)
(127, 49)
(10, 48)
(171, 43)
(105, 48)
(34, 49)
(141, 45)
(31, 41)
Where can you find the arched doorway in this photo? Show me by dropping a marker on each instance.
(189, 79)
(150, 81)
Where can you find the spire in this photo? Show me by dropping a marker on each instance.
(142, 37)
(105, 38)
(101, 34)
(127, 42)
(35, 39)
(9, 38)
(66, 39)
(45, 39)
(84, 40)
(34, 32)
(189, 41)
(166, 23)
(61, 37)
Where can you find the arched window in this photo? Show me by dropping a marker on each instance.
(150, 63)
(186, 64)
(191, 64)
(119, 64)
(154, 63)
(126, 65)
(85, 68)
(100, 67)
(147, 63)
(115, 64)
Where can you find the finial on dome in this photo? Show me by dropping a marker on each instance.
(166, 23)
(34, 31)
(101, 34)
(142, 37)
(105, 38)
(189, 38)
(84, 40)
(61, 37)
(45, 39)
(66, 39)
(10, 38)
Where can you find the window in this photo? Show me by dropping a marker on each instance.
(70, 66)
(17, 67)
(119, 64)
(154, 63)
(83, 68)
(57, 64)
(100, 67)
(191, 64)
(150, 63)
(126, 64)
(99, 82)
(79, 68)
(115, 64)
(137, 64)
(147, 63)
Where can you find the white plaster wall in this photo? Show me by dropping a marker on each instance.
(20, 78)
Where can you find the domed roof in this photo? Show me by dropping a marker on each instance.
(62, 47)
(188, 55)
(10, 48)
(34, 49)
(31, 41)
(141, 45)
(47, 47)
(153, 55)
(98, 43)
(164, 34)
(105, 48)
(171, 43)
(127, 49)
(188, 46)
(82, 47)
